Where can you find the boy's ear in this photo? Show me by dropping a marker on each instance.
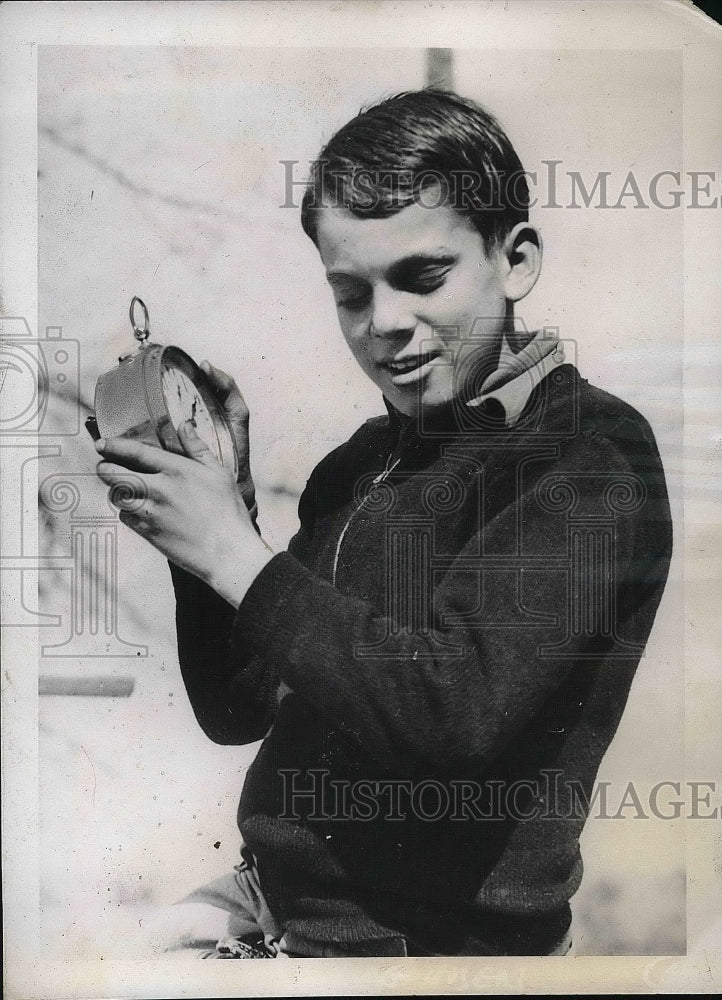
(522, 251)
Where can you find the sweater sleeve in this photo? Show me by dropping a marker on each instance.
(232, 685)
(505, 631)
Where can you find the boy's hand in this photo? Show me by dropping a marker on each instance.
(191, 511)
(229, 396)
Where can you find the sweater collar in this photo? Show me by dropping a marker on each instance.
(522, 366)
(519, 372)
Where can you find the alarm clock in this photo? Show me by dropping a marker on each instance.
(155, 389)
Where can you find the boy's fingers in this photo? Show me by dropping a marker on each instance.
(124, 481)
(128, 490)
(220, 380)
(135, 522)
(136, 456)
(194, 446)
(111, 473)
(226, 390)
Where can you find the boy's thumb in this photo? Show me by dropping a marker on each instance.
(194, 447)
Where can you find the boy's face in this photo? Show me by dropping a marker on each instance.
(420, 303)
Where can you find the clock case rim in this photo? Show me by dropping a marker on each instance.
(135, 385)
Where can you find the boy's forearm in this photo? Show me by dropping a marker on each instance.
(231, 689)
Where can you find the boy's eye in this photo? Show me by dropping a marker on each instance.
(422, 281)
(417, 278)
(427, 281)
(353, 301)
(353, 295)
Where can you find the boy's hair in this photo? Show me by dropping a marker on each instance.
(428, 146)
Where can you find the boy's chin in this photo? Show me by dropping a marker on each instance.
(427, 402)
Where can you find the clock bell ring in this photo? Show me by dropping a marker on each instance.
(155, 390)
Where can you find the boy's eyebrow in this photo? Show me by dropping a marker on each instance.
(422, 259)
(441, 256)
(341, 276)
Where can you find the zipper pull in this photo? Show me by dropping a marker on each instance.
(386, 472)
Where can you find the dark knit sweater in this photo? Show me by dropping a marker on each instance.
(445, 681)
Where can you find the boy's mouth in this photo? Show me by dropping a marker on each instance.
(405, 365)
(410, 369)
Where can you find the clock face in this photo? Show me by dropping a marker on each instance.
(152, 392)
(185, 402)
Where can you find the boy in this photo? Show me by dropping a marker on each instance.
(440, 660)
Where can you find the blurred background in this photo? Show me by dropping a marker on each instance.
(161, 175)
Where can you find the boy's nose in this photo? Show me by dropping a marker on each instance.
(390, 317)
